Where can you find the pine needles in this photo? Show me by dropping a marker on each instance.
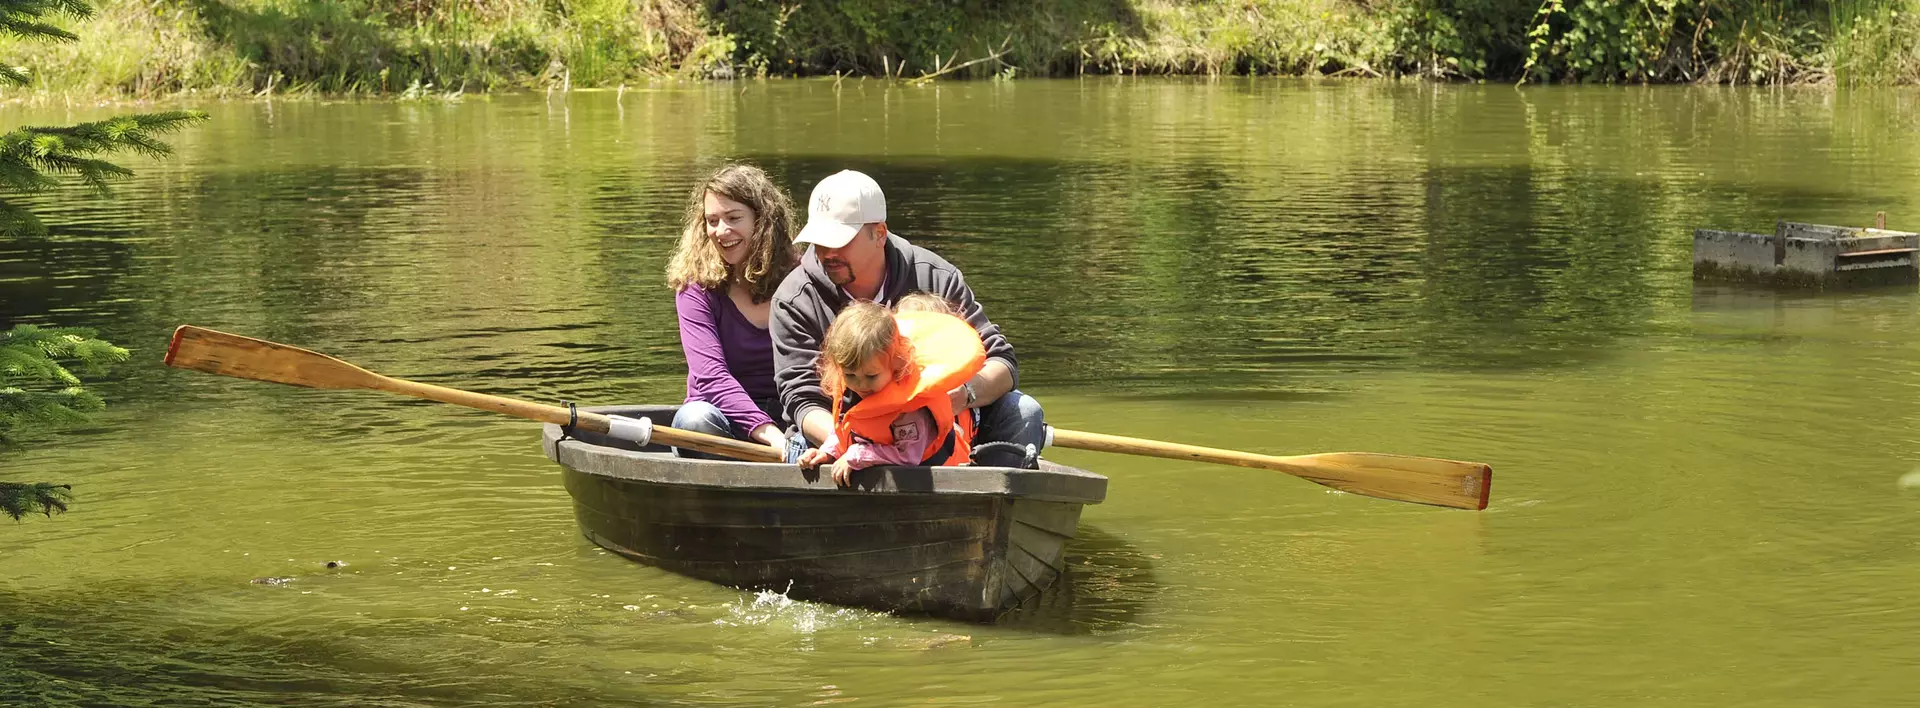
(37, 387)
(36, 159)
(27, 18)
(19, 499)
(40, 388)
(31, 157)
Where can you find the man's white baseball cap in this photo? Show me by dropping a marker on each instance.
(840, 205)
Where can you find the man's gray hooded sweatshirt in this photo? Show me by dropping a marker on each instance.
(806, 303)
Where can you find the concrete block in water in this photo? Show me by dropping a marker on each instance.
(1808, 255)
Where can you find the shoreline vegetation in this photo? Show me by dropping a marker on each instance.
(143, 49)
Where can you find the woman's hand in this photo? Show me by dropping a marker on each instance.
(814, 458)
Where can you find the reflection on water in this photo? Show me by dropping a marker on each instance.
(1699, 494)
(1108, 587)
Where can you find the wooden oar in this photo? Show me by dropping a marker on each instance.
(1422, 480)
(214, 352)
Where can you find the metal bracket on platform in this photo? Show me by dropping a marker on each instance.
(573, 419)
(566, 431)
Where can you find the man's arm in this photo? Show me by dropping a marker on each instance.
(1001, 373)
(796, 346)
(817, 425)
(993, 381)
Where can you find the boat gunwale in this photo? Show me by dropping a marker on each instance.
(1053, 482)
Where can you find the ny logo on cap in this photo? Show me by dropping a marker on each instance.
(824, 203)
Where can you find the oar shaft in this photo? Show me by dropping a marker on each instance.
(1173, 451)
(591, 422)
(224, 354)
(588, 420)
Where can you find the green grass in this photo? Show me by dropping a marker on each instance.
(1873, 42)
(157, 47)
(146, 48)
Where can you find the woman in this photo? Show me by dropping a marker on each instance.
(736, 247)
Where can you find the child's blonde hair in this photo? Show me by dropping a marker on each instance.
(861, 330)
(923, 301)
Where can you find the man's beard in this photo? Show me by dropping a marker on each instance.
(841, 274)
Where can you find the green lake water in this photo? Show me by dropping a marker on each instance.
(1697, 498)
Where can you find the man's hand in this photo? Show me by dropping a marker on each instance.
(993, 381)
(771, 437)
(959, 396)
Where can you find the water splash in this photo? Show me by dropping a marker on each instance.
(776, 609)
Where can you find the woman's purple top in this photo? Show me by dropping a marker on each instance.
(729, 361)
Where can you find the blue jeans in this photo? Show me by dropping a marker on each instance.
(701, 417)
(1016, 418)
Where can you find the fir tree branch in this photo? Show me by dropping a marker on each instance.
(95, 173)
(33, 359)
(31, 156)
(21, 177)
(20, 27)
(18, 499)
(21, 410)
(17, 221)
(36, 386)
(77, 9)
(26, 18)
(135, 132)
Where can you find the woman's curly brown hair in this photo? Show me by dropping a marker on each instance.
(696, 261)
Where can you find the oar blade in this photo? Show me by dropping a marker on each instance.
(1422, 480)
(216, 352)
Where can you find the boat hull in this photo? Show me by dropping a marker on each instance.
(968, 543)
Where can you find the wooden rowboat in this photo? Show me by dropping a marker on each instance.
(968, 543)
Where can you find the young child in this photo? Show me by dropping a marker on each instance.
(923, 301)
(889, 376)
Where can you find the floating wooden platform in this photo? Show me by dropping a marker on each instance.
(1808, 255)
(969, 543)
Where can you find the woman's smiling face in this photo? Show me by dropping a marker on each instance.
(730, 225)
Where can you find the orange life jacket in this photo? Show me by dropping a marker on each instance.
(947, 352)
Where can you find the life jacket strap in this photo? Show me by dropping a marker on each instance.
(946, 448)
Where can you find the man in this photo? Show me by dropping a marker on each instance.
(854, 257)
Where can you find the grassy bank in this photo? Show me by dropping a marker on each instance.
(159, 47)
